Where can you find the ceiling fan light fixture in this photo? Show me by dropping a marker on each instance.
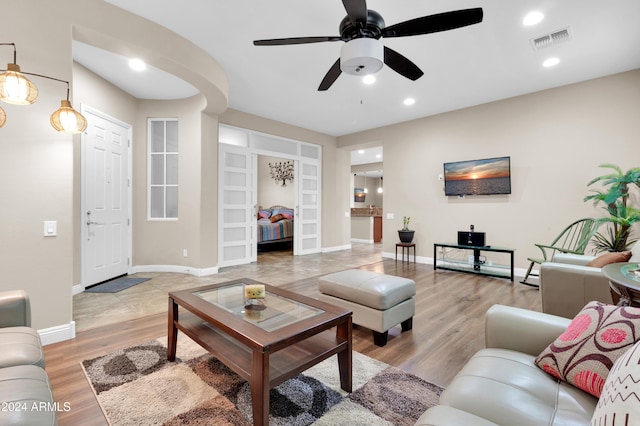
(362, 56)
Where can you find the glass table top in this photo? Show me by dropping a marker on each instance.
(631, 271)
(275, 311)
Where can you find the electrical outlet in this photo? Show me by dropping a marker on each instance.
(185, 253)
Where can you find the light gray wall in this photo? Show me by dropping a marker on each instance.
(556, 140)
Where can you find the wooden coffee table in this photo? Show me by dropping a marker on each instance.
(264, 347)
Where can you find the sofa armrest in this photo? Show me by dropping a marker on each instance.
(574, 259)
(566, 288)
(522, 330)
(15, 309)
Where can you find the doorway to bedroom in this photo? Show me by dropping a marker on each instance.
(238, 205)
(276, 200)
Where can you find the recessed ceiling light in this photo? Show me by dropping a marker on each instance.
(551, 62)
(409, 101)
(361, 151)
(137, 64)
(369, 79)
(378, 155)
(533, 18)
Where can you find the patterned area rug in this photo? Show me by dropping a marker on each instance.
(138, 386)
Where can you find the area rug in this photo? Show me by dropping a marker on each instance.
(116, 285)
(138, 386)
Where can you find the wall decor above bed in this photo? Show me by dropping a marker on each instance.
(282, 171)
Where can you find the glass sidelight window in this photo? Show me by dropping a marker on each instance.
(163, 168)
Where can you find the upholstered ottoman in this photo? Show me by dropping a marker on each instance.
(26, 397)
(378, 301)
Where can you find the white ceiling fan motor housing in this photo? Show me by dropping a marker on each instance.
(362, 56)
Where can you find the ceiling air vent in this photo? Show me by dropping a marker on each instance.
(551, 39)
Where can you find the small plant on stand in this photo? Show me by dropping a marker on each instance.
(405, 234)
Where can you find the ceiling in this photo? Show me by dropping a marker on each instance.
(463, 67)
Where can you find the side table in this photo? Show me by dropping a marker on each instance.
(406, 246)
(624, 280)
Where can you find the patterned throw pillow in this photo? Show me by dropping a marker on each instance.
(620, 399)
(595, 339)
(264, 214)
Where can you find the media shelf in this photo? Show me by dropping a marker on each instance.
(477, 266)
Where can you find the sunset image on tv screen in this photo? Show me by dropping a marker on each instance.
(478, 177)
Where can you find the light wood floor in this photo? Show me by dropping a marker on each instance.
(447, 329)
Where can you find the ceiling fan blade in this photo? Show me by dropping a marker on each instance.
(356, 11)
(293, 40)
(435, 23)
(331, 76)
(401, 64)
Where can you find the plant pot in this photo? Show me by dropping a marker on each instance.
(406, 236)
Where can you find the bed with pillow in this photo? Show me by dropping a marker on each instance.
(275, 225)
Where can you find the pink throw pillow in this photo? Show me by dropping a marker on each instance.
(595, 339)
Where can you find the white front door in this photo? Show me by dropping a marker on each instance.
(105, 198)
(238, 206)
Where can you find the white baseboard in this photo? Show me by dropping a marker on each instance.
(58, 333)
(357, 240)
(198, 272)
(336, 248)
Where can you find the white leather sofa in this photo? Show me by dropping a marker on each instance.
(500, 385)
(567, 284)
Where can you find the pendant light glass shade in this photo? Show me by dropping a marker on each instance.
(3, 117)
(68, 120)
(15, 88)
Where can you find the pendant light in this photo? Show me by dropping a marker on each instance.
(67, 119)
(17, 89)
(380, 186)
(365, 184)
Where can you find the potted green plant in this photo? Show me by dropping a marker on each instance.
(615, 198)
(405, 234)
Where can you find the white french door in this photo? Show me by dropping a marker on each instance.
(307, 222)
(238, 206)
(105, 223)
(238, 198)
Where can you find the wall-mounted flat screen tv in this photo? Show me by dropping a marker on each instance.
(478, 177)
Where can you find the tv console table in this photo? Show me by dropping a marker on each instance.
(478, 266)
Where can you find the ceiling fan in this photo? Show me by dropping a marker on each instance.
(363, 52)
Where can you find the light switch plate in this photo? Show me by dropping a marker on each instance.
(390, 215)
(50, 228)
